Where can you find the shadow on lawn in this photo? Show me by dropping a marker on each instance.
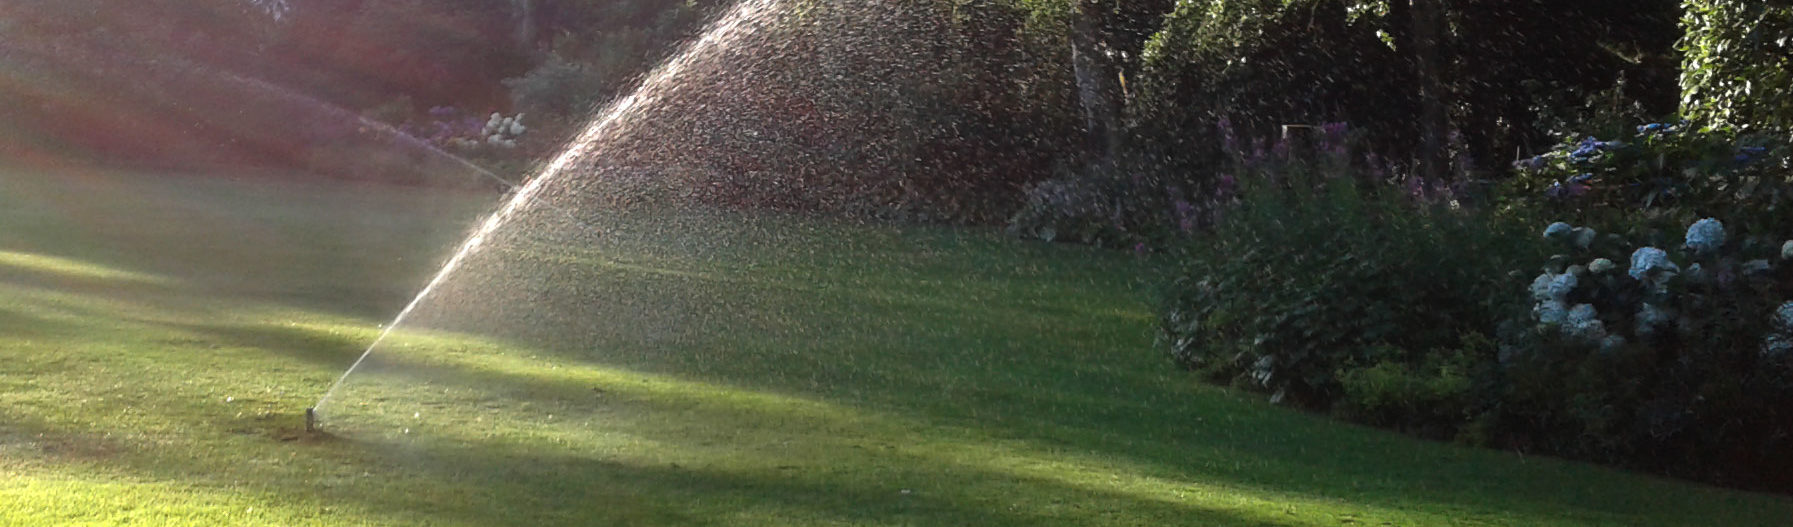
(509, 484)
(318, 347)
(1268, 467)
(568, 486)
(1087, 390)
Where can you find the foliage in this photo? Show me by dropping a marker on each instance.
(1517, 68)
(1521, 70)
(1738, 66)
(557, 86)
(1670, 169)
(1320, 273)
(1260, 64)
(1432, 395)
(1680, 362)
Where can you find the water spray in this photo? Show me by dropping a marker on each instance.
(719, 34)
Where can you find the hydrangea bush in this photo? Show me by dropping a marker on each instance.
(1659, 166)
(1676, 361)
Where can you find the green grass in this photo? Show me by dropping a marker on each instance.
(160, 337)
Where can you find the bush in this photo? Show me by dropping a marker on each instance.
(1738, 65)
(557, 87)
(1430, 398)
(1681, 362)
(1317, 296)
(1669, 169)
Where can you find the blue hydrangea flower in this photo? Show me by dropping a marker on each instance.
(1783, 317)
(1589, 148)
(1551, 312)
(1532, 163)
(1706, 235)
(1562, 285)
(1776, 345)
(1584, 237)
(1583, 321)
(1696, 273)
(1787, 250)
(1558, 230)
(1648, 261)
(1541, 287)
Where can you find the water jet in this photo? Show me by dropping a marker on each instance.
(735, 24)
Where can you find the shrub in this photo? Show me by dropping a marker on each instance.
(1670, 169)
(1431, 397)
(1680, 362)
(557, 87)
(1318, 286)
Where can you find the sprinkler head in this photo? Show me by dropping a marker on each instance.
(311, 420)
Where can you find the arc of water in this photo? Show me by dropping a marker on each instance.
(731, 26)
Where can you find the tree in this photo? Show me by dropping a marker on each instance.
(1738, 70)
(1095, 62)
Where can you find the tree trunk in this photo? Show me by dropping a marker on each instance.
(523, 12)
(1434, 114)
(1098, 77)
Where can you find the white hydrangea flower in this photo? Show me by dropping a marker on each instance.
(1558, 230)
(1584, 237)
(1649, 260)
(1551, 312)
(1787, 250)
(1706, 235)
(1601, 266)
(1263, 370)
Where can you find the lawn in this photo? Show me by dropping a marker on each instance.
(160, 337)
